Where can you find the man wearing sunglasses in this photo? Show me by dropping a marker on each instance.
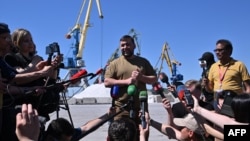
(227, 73)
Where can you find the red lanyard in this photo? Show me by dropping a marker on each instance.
(222, 74)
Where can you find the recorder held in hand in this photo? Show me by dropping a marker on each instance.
(188, 98)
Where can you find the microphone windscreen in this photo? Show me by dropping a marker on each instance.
(114, 92)
(143, 95)
(157, 87)
(131, 90)
(78, 75)
(99, 71)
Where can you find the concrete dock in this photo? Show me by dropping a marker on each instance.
(82, 113)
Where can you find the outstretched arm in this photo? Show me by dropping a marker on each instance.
(166, 129)
(216, 118)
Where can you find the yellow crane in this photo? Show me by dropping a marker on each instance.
(78, 31)
(172, 64)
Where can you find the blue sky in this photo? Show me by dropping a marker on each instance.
(190, 27)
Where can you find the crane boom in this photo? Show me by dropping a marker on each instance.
(84, 30)
(79, 34)
(172, 64)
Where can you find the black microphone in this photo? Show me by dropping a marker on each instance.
(131, 92)
(143, 96)
(164, 79)
(158, 89)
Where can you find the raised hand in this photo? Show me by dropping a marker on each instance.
(27, 124)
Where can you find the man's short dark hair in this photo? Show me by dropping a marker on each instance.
(122, 130)
(59, 127)
(127, 37)
(227, 45)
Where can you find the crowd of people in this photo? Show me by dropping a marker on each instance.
(24, 99)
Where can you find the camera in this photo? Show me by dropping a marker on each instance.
(188, 98)
(52, 48)
(203, 63)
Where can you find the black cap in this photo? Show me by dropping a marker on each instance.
(4, 28)
(208, 56)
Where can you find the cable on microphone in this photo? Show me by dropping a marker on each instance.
(143, 96)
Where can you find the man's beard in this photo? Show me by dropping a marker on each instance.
(127, 54)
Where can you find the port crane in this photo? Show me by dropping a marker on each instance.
(172, 64)
(76, 63)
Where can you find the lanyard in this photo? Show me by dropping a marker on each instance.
(222, 74)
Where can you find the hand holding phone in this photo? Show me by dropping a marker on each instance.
(188, 98)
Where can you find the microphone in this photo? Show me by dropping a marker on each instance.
(203, 64)
(97, 73)
(78, 75)
(114, 92)
(143, 96)
(158, 89)
(131, 92)
(164, 78)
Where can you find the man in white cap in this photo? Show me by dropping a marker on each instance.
(188, 128)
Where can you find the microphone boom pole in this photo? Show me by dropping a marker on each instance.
(102, 122)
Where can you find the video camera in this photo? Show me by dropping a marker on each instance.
(51, 49)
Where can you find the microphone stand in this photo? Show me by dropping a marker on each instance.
(122, 108)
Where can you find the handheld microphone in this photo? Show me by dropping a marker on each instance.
(114, 92)
(131, 92)
(78, 75)
(97, 73)
(143, 96)
(158, 89)
(164, 79)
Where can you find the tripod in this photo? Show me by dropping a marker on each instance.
(66, 107)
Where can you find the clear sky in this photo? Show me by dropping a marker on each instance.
(190, 27)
